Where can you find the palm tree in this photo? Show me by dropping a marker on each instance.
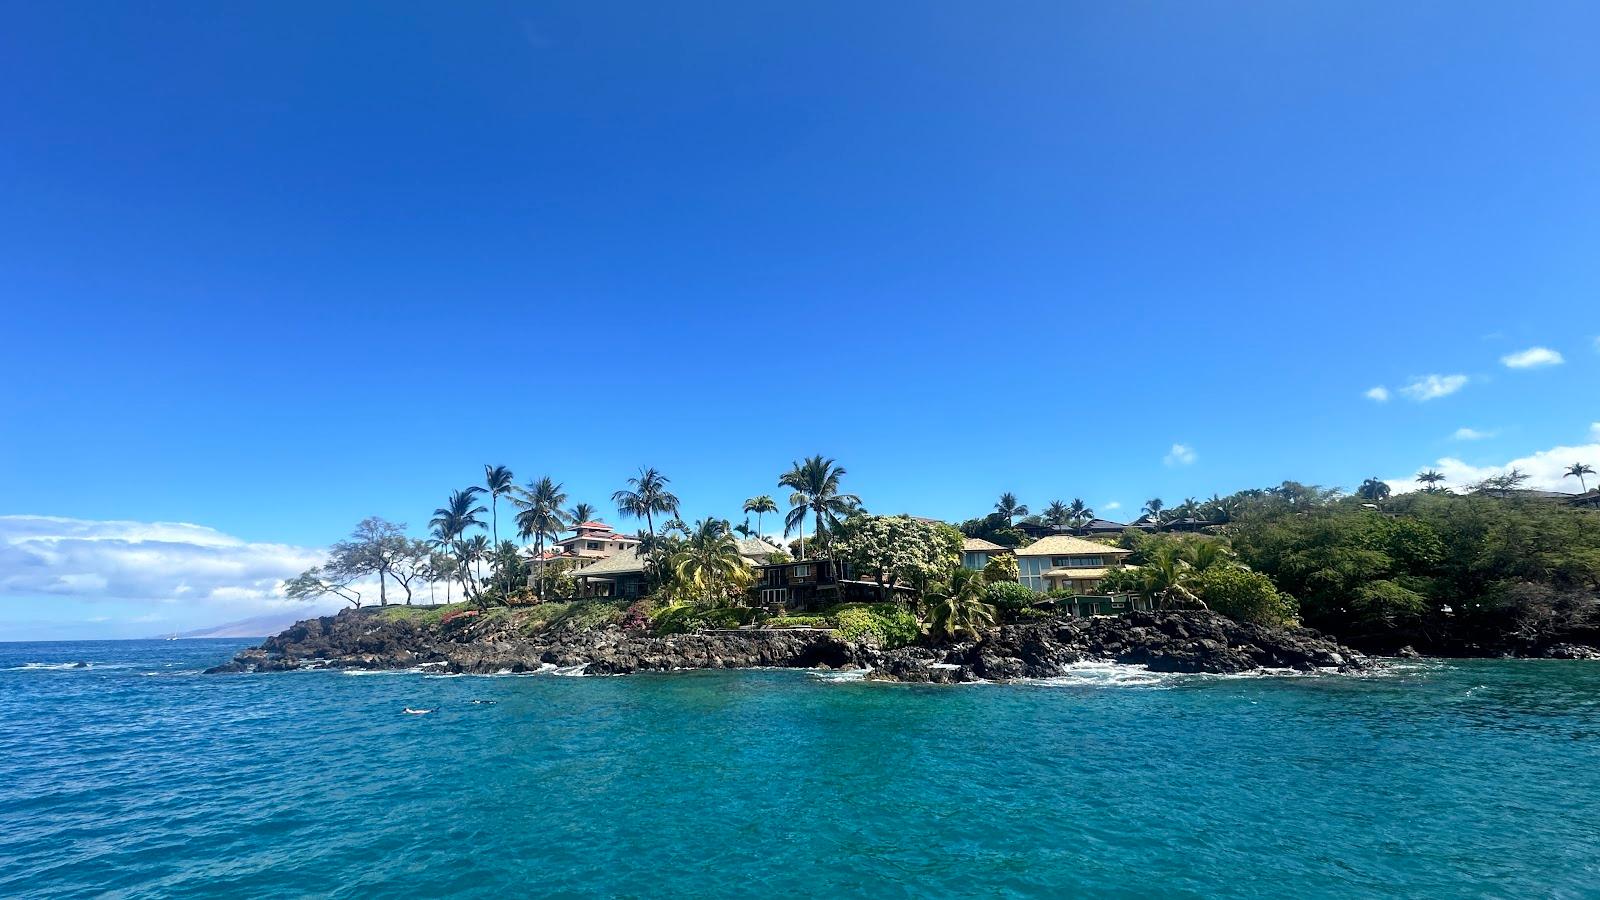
(1374, 489)
(1080, 512)
(759, 506)
(815, 483)
(1578, 470)
(1431, 478)
(541, 517)
(581, 513)
(1057, 514)
(1153, 508)
(1008, 507)
(744, 530)
(477, 550)
(452, 520)
(645, 496)
(1165, 577)
(959, 608)
(1202, 555)
(709, 559)
(497, 482)
(441, 563)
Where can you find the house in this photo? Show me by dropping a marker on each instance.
(1063, 562)
(758, 551)
(1100, 528)
(619, 575)
(591, 542)
(976, 553)
(814, 583)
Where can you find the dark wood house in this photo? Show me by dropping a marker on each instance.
(814, 584)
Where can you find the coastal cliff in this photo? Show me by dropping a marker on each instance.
(1174, 641)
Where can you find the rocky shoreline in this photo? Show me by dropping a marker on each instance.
(1172, 641)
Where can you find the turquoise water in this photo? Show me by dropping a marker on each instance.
(138, 777)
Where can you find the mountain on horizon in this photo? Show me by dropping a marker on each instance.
(255, 626)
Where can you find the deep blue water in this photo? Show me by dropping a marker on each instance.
(138, 777)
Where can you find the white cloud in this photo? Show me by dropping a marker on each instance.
(1117, 504)
(1379, 394)
(1432, 387)
(1532, 358)
(141, 564)
(1472, 434)
(1546, 469)
(1180, 455)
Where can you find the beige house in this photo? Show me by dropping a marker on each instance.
(1063, 562)
(591, 542)
(976, 553)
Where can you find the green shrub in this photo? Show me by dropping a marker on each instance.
(1009, 596)
(1245, 596)
(884, 624)
(1001, 568)
(422, 615)
(800, 622)
(579, 614)
(689, 619)
(1034, 612)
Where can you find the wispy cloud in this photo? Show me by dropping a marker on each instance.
(1472, 434)
(1532, 358)
(1379, 394)
(1180, 455)
(1432, 387)
(1546, 469)
(1114, 505)
(147, 563)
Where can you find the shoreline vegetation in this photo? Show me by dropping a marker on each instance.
(1292, 576)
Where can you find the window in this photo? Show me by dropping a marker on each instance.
(1077, 562)
(594, 545)
(801, 571)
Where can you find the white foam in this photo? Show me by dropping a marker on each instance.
(839, 674)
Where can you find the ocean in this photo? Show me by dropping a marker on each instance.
(135, 776)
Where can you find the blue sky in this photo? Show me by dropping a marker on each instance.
(270, 268)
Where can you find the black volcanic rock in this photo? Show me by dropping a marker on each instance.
(1176, 641)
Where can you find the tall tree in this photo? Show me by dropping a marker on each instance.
(1431, 478)
(1079, 513)
(1153, 508)
(375, 547)
(497, 482)
(645, 496)
(451, 521)
(1578, 470)
(581, 513)
(1008, 507)
(708, 562)
(541, 516)
(1374, 489)
(815, 485)
(760, 505)
(1057, 514)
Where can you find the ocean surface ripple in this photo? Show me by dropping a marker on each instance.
(131, 775)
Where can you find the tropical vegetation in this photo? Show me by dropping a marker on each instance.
(1480, 567)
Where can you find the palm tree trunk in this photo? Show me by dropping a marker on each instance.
(494, 518)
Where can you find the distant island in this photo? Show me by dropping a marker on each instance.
(253, 627)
